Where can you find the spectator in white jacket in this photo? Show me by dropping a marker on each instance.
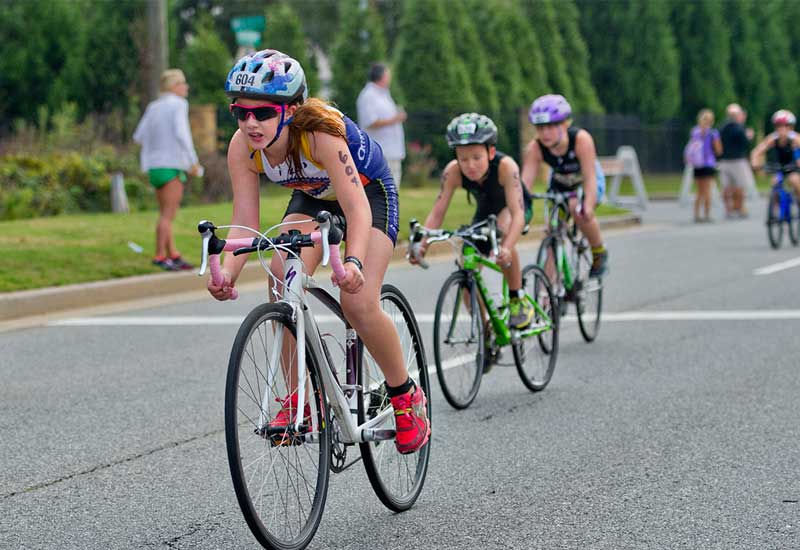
(167, 155)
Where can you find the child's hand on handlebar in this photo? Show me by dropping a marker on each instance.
(225, 290)
(353, 279)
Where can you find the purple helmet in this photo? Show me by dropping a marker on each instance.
(549, 109)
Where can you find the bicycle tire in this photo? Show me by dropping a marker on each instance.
(255, 459)
(774, 221)
(536, 362)
(459, 346)
(588, 295)
(794, 222)
(549, 249)
(397, 479)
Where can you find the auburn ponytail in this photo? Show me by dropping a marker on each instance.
(314, 115)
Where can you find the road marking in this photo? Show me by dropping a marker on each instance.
(427, 318)
(774, 268)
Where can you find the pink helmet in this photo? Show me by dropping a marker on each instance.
(783, 117)
(549, 109)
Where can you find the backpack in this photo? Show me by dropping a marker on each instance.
(694, 152)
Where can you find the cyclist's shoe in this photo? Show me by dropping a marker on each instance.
(599, 261)
(521, 313)
(166, 264)
(286, 417)
(181, 264)
(411, 420)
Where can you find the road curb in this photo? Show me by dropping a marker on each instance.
(28, 303)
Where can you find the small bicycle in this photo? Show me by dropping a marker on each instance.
(566, 257)
(462, 338)
(280, 473)
(782, 207)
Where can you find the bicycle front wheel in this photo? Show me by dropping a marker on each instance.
(588, 295)
(458, 342)
(774, 221)
(535, 356)
(547, 259)
(280, 474)
(396, 478)
(794, 222)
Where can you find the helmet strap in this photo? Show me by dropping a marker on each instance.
(283, 122)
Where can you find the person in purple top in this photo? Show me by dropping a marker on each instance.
(701, 152)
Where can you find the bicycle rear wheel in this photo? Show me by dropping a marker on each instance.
(774, 221)
(588, 295)
(396, 478)
(280, 475)
(535, 356)
(458, 342)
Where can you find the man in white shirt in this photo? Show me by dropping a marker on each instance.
(382, 119)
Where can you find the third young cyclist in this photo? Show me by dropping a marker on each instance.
(784, 144)
(571, 155)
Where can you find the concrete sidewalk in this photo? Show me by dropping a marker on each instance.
(30, 303)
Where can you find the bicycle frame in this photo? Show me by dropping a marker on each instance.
(498, 316)
(558, 227)
(345, 407)
(784, 197)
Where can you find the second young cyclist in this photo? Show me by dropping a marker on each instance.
(492, 178)
(571, 155)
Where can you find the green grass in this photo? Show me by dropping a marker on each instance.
(669, 185)
(70, 249)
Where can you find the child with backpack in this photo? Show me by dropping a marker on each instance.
(701, 153)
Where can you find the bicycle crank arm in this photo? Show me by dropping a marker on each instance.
(377, 435)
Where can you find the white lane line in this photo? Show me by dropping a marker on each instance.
(774, 268)
(427, 318)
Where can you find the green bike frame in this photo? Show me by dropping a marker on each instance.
(557, 224)
(498, 315)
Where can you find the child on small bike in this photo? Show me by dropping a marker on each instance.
(784, 144)
(492, 178)
(331, 164)
(571, 155)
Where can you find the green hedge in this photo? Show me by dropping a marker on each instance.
(56, 183)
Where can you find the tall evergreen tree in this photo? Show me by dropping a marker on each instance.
(542, 14)
(206, 60)
(626, 80)
(493, 18)
(359, 43)
(528, 52)
(704, 44)
(39, 40)
(749, 72)
(284, 32)
(470, 49)
(434, 79)
(577, 54)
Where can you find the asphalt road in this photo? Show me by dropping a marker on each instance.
(677, 428)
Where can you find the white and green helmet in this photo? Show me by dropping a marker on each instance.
(471, 129)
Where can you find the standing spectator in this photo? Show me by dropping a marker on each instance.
(701, 152)
(167, 155)
(382, 119)
(735, 174)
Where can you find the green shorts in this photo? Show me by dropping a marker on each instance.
(160, 176)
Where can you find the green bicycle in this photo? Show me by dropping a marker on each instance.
(566, 257)
(462, 337)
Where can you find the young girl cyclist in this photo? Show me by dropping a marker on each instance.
(331, 164)
(784, 142)
(571, 155)
(492, 178)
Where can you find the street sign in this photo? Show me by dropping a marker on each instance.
(248, 30)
